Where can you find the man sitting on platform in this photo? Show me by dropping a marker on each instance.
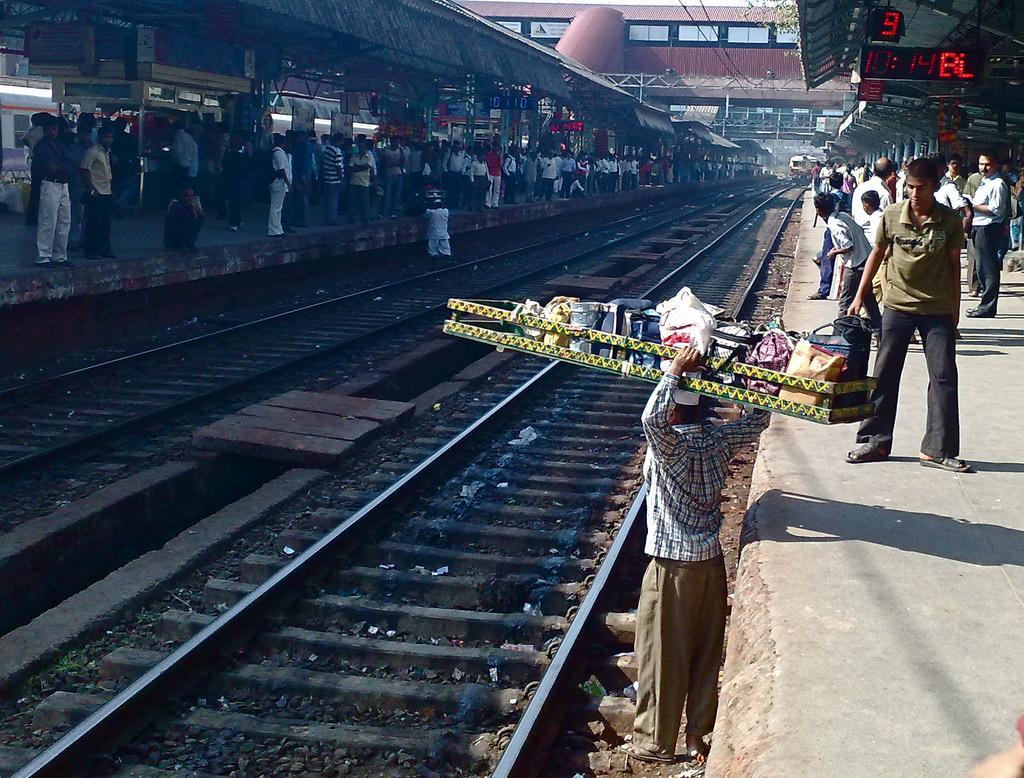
(182, 222)
(680, 621)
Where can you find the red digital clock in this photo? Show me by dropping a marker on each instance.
(567, 126)
(907, 64)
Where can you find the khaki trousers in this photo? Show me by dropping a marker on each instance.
(680, 629)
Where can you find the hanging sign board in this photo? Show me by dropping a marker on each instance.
(303, 117)
(871, 90)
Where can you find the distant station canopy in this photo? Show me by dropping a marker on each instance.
(594, 38)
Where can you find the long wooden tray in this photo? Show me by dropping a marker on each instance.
(506, 310)
(491, 332)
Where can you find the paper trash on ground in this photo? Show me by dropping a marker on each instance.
(526, 436)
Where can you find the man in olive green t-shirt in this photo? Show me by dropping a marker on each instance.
(921, 289)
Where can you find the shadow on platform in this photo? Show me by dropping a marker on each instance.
(815, 520)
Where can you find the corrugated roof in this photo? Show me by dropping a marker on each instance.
(632, 13)
(751, 63)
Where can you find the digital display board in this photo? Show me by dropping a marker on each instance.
(567, 126)
(886, 25)
(512, 102)
(909, 64)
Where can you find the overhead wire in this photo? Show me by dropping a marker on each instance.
(727, 61)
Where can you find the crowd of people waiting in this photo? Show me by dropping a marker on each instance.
(83, 176)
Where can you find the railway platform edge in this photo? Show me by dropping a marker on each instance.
(879, 608)
(144, 264)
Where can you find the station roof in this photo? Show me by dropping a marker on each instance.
(509, 9)
(335, 39)
(371, 45)
(833, 31)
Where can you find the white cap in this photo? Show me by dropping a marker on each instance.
(683, 397)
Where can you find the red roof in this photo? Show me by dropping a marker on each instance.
(505, 9)
(752, 63)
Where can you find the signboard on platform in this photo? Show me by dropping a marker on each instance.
(871, 90)
(567, 126)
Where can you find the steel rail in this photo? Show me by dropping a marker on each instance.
(97, 435)
(131, 709)
(42, 383)
(539, 723)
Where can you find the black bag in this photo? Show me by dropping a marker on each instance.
(850, 338)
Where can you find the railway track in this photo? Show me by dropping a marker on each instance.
(453, 571)
(55, 415)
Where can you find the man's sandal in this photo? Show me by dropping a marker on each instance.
(633, 751)
(952, 464)
(867, 453)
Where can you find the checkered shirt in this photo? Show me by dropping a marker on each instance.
(685, 469)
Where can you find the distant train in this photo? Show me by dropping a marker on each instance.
(801, 164)
(17, 104)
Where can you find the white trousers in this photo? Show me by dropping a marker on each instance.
(54, 221)
(493, 191)
(278, 189)
(436, 246)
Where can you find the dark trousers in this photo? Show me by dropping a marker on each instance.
(237, 193)
(547, 188)
(972, 274)
(566, 185)
(942, 428)
(851, 282)
(96, 233)
(359, 203)
(332, 195)
(827, 265)
(479, 186)
(988, 245)
(453, 187)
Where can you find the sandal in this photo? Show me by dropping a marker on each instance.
(867, 453)
(952, 464)
(643, 755)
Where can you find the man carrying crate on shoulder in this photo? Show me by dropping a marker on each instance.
(680, 622)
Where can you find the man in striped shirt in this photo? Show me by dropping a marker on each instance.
(333, 175)
(680, 621)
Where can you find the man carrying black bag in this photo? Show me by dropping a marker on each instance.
(922, 294)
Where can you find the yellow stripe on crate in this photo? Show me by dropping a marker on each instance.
(504, 310)
(736, 394)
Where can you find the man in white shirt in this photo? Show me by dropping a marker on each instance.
(454, 175)
(568, 172)
(281, 163)
(849, 246)
(185, 157)
(991, 208)
(885, 169)
(550, 168)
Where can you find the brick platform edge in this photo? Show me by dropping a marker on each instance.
(163, 268)
(742, 738)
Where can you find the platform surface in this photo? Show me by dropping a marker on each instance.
(878, 628)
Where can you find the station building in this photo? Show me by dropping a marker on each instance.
(736, 70)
